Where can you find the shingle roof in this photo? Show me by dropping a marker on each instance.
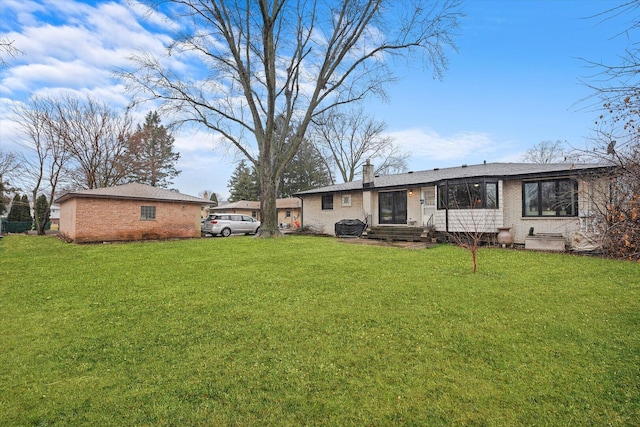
(240, 204)
(486, 170)
(286, 203)
(135, 191)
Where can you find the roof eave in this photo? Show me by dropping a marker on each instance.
(68, 196)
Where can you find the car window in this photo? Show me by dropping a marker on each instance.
(247, 218)
(236, 217)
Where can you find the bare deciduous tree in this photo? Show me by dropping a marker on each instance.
(471, 213)
(6, 46)
(547, 152)
(47, 156)
(277, 63)
(9, 167)
(616, 138)
(347, 139)
(97, 138)
(84, 142)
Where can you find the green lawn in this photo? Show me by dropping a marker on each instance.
(313, 331)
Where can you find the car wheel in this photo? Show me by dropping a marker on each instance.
(226, 232)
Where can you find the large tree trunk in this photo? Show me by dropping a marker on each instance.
(43, 225)
(269, 73)
(268, 211)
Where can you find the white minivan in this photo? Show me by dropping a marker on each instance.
(228, 224)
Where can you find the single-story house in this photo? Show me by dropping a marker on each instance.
(129, 212)
(553, 199)
(288, 210)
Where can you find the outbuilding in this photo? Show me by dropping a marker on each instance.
(129, 212)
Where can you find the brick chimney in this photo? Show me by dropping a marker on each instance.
(367, 175)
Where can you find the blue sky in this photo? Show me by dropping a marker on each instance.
(514, 82)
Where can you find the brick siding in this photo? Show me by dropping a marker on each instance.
(94, 220)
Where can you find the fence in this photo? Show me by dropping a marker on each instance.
(18, 226)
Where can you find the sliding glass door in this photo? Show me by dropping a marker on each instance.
(393, 207)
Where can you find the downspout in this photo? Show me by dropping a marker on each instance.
(301, 211)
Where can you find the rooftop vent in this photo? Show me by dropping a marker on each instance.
(464, 166)
(410, 172)
(436, 169)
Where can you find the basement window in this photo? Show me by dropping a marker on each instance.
(147, 213)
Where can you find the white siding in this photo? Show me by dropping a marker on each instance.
(482, 220)
(472, 220)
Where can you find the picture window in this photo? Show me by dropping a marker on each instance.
(468, 195)
(553, 198)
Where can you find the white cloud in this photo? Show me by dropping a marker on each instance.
(203, 170)
(79, 48)
(152, 16)
(9, 129)
(55, 73)
(23, 11)
(429, 149)
(428, 143)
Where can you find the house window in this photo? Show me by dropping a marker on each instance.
(468, 195)
(392, 207)
(287, 214)
(147, 213)
(346, 200)
(550, 198)
(327, 201)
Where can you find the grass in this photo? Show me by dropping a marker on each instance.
(311, 331)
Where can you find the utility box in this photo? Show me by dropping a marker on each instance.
(545, 242)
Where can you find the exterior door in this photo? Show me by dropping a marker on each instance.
(392, 207)
(428, 206)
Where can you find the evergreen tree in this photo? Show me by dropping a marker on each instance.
(15, 213)
(152, 146)
(25, 212)
(306, 170)
(3, 199)
(214, 198)
(20, 210)
(41, 209)
(243, 184)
